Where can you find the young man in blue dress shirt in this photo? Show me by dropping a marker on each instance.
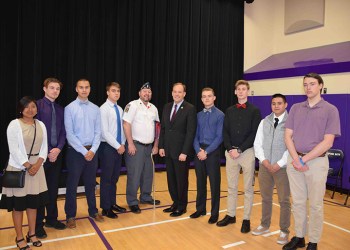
(111, 150)
(82, 121)
(52, 115)
(207, 163)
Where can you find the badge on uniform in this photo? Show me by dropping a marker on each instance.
(127, 108)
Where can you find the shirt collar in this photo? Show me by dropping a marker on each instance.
(209, 109)
(111, 104)
(47, 100)
(317, 105)
(280, 118)
(178, 104)
(82, 102)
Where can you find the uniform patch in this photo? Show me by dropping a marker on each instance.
(127, 108)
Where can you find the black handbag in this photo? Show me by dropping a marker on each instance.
(16, 179)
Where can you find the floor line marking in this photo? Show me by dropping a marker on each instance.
(56, 239)
(234, 244)
(271, 233)
(162, 222)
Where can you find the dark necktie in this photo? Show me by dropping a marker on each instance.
(276, 122)
(174, 113)
(119, 130)
(53, 126)
(239, 106)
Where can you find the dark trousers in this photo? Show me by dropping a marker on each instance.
(52, 174)
(209, 167)
(77, 166)
(177, 175)
(110, 163)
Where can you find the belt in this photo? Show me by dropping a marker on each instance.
(88, 147)
(33, 154)
(143, 144)
(302, 154)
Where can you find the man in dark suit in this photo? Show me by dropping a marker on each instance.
(178, 128)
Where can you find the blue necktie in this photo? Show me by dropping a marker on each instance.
(119, 130)
(53, 126)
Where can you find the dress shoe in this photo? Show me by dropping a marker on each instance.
(117, 208)
(227, 220)
(40, 232)
(311, 246)
(151, 202)
(135, 209)
(245, 226)
(197, 214)
(55, 224)
(213, 219)
(294, 243)
(170, 209)
(177, 213)
(109, 213)
(97, 217)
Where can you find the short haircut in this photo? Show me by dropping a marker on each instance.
(278, 95)
(23, 103)
(81, 80)
(316, 76)
(49, 80)
(208, 89)
(180, 83)
(112, 84)
(242, 82)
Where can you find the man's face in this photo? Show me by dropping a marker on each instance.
(242, 92)
(52, 91)
(208, 98)
(145, 95)
(113, 94)
(278, 106)
(312, 88)
(83, 89)
(178, 93)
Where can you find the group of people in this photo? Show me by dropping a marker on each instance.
(291, 148)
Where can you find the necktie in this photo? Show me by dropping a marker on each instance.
(119, 130)
(174, 113)
(241, 105)
(53, 126)
(207, 110)
(276, 122)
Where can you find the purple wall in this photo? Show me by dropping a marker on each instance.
(341, 101)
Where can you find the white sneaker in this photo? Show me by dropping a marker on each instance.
(260, 230)
(283, 238)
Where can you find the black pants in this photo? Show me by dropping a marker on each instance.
(209, 167)
(52, 174)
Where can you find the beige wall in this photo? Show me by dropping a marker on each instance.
(264, 36)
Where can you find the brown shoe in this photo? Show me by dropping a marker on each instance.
(97, 217)
(71, 223)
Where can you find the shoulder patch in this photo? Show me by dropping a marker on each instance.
(127, 108)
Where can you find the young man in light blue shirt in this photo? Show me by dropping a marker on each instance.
(82, 121)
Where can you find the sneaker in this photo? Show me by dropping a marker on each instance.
(97, 217)
(71, 223)
(260, 230)
(283, 238)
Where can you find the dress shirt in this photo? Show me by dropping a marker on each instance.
(178, 105)
(259, 140)
(109, 124)
(82, 120)
(209, 129)
(44, 115)
(240, 126)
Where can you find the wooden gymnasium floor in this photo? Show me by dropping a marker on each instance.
(153, 229)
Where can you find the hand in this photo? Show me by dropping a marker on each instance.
(266, 163)
(34, 169)
(53, 154)
(89, 155)
(121, 149)
(298, 167)
(202, 155)
(154, 150)
(234, 153)
(182, 157)
(274, 168)
(161, 152)
(131, 149)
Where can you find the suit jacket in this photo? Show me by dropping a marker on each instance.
(177, 136)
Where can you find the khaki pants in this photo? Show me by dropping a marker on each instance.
(247, 161)
(309, 185)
